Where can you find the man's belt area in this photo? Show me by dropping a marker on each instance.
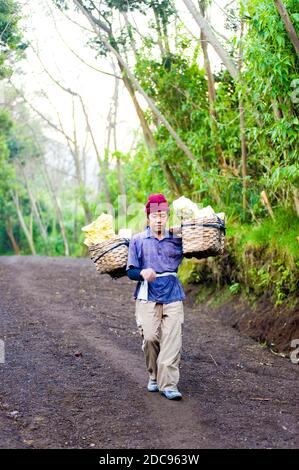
(143, 291)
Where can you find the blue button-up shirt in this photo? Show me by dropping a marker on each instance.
(165, 255)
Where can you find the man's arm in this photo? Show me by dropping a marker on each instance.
(134, 271)
(138, 274)
(134, 274)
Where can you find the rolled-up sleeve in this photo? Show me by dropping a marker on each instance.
(133, 259)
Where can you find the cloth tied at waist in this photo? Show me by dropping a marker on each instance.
(143, 291)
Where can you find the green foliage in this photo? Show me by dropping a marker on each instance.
(262, 254)
(260, 260)
(6, 173)
(12, 45)
(235, 288)
(271, 67)
(139, 171)
(163, 8)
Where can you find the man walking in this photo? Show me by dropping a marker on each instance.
(154, 258)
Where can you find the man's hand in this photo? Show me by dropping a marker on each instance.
(148, 274)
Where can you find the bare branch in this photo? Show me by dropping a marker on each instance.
(41, 115)
(151, 104)
(74, 52)
(205, 27)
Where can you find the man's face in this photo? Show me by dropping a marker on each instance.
(158, 220)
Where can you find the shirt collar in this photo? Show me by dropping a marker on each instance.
(149, 233)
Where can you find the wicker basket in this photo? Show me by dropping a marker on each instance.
(110, 256)
(203, 237)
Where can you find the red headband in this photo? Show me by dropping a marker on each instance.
(155, 203)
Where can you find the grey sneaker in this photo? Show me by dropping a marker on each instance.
(152, 386)
(172, 394)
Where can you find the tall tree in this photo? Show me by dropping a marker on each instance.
(288, 24)
(209, 34)
(104, 32)
(211, 90)
(242, 117)
(12, 44)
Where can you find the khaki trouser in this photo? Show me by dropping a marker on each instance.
(160, 326)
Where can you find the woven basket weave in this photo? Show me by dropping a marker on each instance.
(203, 237)
(110, 256)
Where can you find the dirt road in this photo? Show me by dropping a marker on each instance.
(74, 375)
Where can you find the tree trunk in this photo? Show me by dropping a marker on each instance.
(288, 24)
(75, 223)
(161, 46)
(75, 152)
(120, 175)
(149, 138)
(42, 229)
(165, 37)
(212, 99)
(97, 24)
(121, 183)
(56, 208)
(276, 111)
(242, 124)
(102, 165)
(296, 200)
(104, 172)
(72, 146)
(26, 231)
(9, 231)
(244, 152)
(148, 135)
(206, 29)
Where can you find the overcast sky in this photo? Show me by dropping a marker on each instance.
(50, 32)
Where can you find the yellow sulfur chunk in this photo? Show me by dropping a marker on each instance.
(99, 230)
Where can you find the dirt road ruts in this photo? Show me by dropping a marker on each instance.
(74, 375)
